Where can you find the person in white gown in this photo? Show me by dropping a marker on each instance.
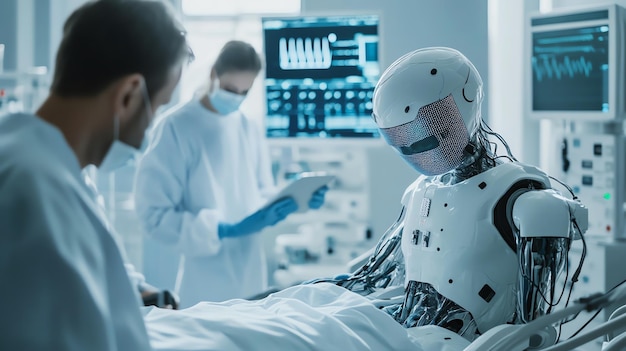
(202, 182)
(64, 285)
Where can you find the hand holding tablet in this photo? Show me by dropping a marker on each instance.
(302, 189)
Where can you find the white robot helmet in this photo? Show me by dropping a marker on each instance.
(427, 106)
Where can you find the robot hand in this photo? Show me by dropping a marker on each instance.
(547, 213)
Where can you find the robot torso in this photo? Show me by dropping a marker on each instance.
(459, 238)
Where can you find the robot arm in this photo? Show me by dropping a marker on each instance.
(546, 213)
(546, 222)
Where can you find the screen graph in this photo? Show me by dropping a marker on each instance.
(570, 69)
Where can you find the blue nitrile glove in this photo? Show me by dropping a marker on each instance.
(317, 199)
(262, 218)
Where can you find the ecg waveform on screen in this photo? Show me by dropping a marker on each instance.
(307, 53)
(552, 68)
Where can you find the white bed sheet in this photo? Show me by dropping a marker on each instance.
(305, 317)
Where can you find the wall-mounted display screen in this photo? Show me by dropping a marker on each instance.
(575, 64)
(320, 76)
(571, 69)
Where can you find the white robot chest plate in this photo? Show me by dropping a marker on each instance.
(450, 239)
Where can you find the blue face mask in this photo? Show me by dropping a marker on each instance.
(121, 154)
(226, 102)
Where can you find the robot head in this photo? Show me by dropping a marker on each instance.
(427, 106)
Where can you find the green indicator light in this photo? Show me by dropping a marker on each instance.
(607, 196)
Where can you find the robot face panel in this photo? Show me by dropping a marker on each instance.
(427, 105)
(434, 141)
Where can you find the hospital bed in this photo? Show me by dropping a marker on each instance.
(304, 317)
(327, 317)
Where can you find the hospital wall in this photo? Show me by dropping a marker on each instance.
(8, 37)
(506, 20)
(31, 31)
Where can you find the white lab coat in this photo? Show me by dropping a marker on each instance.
(64, 285)
(137, 279)
(201, 169)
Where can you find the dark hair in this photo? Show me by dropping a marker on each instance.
(237, 56)
(107, 39)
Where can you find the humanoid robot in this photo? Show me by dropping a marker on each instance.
(481, 238)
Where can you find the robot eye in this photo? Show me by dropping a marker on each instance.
(406, 109)
(433, 71)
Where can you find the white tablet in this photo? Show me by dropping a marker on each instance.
(302, 188)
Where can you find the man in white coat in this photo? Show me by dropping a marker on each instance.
(64, 286)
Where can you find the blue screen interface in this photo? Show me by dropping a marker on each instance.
(570, 69)
(320, 76)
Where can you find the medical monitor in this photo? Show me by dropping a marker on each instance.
(575, 67)
(320, 77)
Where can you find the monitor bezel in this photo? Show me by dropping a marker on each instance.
(317, 140)
(615, 62)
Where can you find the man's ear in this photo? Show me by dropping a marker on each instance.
(127, 95)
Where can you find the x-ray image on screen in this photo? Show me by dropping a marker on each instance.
(570, 69)
(320, 76)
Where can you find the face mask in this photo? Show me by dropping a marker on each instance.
(121, 154)
(226, 102)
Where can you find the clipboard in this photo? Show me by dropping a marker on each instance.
(302, 188)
